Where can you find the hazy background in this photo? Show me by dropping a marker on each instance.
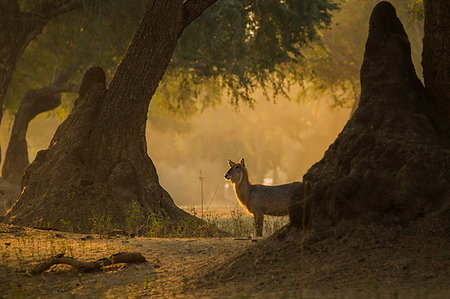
(279, 142)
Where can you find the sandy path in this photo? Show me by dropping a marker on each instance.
(172, 264)
(176, 268)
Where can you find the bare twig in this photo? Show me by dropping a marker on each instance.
(212, 198)
(201, 178)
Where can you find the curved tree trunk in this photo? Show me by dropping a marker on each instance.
(97, 162)
(33, 103)
(391, 164)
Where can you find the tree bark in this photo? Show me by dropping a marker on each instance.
(97, 162)
(436, 58)
(86, 267)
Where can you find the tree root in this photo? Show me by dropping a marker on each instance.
(82, 266)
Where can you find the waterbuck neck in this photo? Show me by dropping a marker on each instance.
(243, 188)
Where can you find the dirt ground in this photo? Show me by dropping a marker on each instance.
(275, 267)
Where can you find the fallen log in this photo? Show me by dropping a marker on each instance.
(83, 266)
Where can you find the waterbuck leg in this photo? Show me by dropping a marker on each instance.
(259, 223)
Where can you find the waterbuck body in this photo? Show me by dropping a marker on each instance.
(260, 200)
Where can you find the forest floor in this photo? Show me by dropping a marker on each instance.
(226, 267)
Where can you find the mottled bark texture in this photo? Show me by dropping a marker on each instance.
(33, 103)
(18, 29)
(97, 162)
(390, 164)
(436, 58)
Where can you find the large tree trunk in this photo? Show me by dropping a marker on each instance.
(436, 58)
(33, 103)
(391, 164)
(97, 162)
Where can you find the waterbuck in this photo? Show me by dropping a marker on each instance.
(260, 200)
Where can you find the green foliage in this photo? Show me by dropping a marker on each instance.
(416, 8)
(237, 224)
(134, 218)
(160, 226)
(247, 44)
(235, 46)
(67, 226)
(328, 68)
(97, 34)
(146, 282)
(101, 224)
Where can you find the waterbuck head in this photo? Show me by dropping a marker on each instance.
(236, 171)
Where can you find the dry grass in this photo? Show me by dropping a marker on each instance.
(237, 222)
(171, 258)
(231, 267)
(172, 263)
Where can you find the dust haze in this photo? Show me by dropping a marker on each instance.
(280, 140)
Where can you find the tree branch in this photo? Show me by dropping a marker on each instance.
(82, 266)
(193, 9)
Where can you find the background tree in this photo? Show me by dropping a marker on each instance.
(34, 102)
(20, 23)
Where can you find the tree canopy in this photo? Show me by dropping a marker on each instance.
(235, 46)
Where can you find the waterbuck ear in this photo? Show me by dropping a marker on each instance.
(231, 163)
(242, 162)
